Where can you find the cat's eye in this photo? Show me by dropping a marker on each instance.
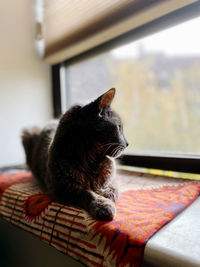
(119, 127)
(101, 113)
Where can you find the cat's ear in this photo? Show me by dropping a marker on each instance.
(106, 99)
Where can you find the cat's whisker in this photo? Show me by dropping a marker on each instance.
(107, 149)
(119, 149)
(109, 144)
(115, 151)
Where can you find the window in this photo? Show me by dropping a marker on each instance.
(158, 92)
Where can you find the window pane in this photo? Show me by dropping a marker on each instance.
(158, 88)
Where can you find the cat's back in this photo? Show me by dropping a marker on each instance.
(36, 144)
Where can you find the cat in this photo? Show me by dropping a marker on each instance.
(73, 159)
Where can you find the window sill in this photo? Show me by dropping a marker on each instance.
(178, 243)
(173, 245)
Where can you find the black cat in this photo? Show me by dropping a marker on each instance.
(73, 159)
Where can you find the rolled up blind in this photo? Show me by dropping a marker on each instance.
(73, 27)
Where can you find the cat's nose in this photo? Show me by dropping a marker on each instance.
(127, 143)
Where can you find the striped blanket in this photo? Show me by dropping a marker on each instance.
(140, 213)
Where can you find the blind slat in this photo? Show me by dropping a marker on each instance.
(73, 27)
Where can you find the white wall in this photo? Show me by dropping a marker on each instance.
(25, 89)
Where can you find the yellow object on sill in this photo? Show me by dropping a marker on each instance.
(172, 174)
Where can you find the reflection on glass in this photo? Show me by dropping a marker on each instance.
(158, 88)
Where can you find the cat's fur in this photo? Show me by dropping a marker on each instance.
(73, 159)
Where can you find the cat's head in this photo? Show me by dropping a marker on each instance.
(96, 124)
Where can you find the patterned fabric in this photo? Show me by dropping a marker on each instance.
(140, 213)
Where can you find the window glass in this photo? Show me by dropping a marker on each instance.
(158, 88)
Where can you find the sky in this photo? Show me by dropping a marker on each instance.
(183, 39)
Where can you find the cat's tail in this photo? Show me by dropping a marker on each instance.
(29, 140)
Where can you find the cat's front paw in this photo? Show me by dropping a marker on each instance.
(110, 193)
(102, 209)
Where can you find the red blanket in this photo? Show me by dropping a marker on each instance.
(140, 213)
